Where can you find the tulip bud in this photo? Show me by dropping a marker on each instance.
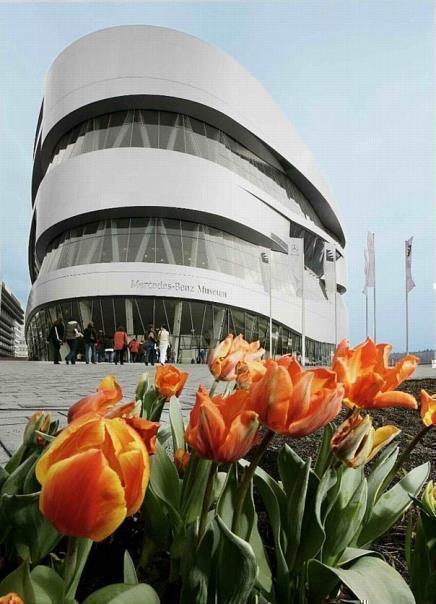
(181, 459)
(429, 498)
(142, 387)
(11, 598)
(352, 441)
(356, 441)
(39, 421)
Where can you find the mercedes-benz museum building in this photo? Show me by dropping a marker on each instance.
(164, 176)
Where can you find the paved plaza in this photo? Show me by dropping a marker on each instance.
(29, 386)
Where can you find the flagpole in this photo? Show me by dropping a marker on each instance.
(270, 305)
(375, 324)
(407, 298)
(335, 292)
(303, 318)
(366, 312)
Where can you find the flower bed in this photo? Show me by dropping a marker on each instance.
(229, 508)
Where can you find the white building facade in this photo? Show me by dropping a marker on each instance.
(163, 173)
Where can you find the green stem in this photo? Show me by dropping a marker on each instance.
(207, 501)
(246, 480)
(404, 457)
(213, 388)
(78, 549)
(70, 562)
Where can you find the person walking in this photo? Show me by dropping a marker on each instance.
(90, 340)
(133, 347)
(164, 340)
(56, 337)
(72, 334)
(120, 345)
(100, 346)
(150, 345)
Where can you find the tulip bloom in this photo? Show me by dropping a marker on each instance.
(11, 598)
(37, 421)
(428, 408)
(369, 381)
(108, 393)
(221, 429)
(356, 441)
(93, 475)
(181, 459)
(169, 381)
(295, 402)
(248, 372)
(226, 356)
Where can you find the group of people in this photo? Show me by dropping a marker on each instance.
(98, 347)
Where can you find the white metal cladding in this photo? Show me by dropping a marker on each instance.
(155, 61)
(123, 182)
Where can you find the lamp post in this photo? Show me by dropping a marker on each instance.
(268, 260)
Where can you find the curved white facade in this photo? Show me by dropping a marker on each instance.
(162, 172)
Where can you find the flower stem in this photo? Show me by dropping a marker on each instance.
(70, 562)
(206, 501)
(246, 480)
(78, 549)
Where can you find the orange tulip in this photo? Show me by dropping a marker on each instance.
(220, 428)
(226, 356)
(11, 598)
(169, 380)
(428, 408)
(248, 372)
(369, 381)
(93, 475)
(295, 402)
(108, 393)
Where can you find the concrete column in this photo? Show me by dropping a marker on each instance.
(129, 317)
(176, 328)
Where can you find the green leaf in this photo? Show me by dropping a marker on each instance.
(177, 425)
(343, 522)
(17, 458)
(48, 586)
(421, 563)
(33, 536)
(324, 454)
(248, 526)
(19, 581)
(165, 482)
(119, 593)
(392, 504)
(3, 476)
(129, 571)
(14, 483)
(236, 570)
(369, 578)
(380, 470)
(193, 487)
(274, 500)
(164, 434)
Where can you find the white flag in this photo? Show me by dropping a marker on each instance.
(296, 263)
(370, 278)
(410, 284)
(330, 270)
(365, 268)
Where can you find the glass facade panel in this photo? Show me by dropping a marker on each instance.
(179, 132)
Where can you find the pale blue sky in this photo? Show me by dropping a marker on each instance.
(354, 77)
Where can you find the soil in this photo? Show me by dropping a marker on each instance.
(106, 560)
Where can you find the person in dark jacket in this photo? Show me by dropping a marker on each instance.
(90, 340)
(56, 337)
(72, 335)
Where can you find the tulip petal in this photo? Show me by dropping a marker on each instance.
(85, 433)
(240, 437)
(273, 409)
(428, 408)
(211, 430)
(403, 369)
(365, 389)
(394, 399)
(300, 397)
(108, 393)
(147, 431)
(83, 497)
(321, 412)
(382, 437)
(135, 476)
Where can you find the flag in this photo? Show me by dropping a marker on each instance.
(330, 270)
(410, 284)
(296, 263)
(365, 268)
(370, 279)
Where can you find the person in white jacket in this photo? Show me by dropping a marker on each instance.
(164, 340)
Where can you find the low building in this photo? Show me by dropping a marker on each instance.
(11, 322)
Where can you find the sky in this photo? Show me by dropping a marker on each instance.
(353, 76)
